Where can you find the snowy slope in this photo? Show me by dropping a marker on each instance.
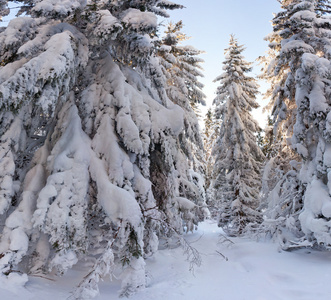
(253, 271)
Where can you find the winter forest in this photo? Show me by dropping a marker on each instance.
(108, 163)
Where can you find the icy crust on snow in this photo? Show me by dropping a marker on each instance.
(59, 50)
(316, 217)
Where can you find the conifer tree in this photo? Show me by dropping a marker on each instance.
(181, 66)
(311, 136)
(281, 160)
(88, 140)
(211, 132)
(209, 139)
(283, 163)
(303, 51)
(237, 156)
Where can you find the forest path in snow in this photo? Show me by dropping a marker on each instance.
(249, 270)
(252, 271)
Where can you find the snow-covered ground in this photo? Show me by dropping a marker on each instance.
(252, 271)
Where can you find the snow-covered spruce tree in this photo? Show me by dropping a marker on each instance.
(182, 69)
(237, 156)
(88, 140)
(181, 66)
(211, 132)
(303, 203)
(184, 63)
(209, 138)
(311, 136)
(279, 161)
(280, 195)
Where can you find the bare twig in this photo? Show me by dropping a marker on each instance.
(223, 239)
(41, 276)
(198, 239)
(193, 255)
(222, 255)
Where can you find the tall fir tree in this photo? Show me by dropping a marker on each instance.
(280, 174)
(182, 68)
(88, 140)
(303, 200)
(237, 156)
(311, 136)
(211, 132)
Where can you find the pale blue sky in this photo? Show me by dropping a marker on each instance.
(210, 23)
